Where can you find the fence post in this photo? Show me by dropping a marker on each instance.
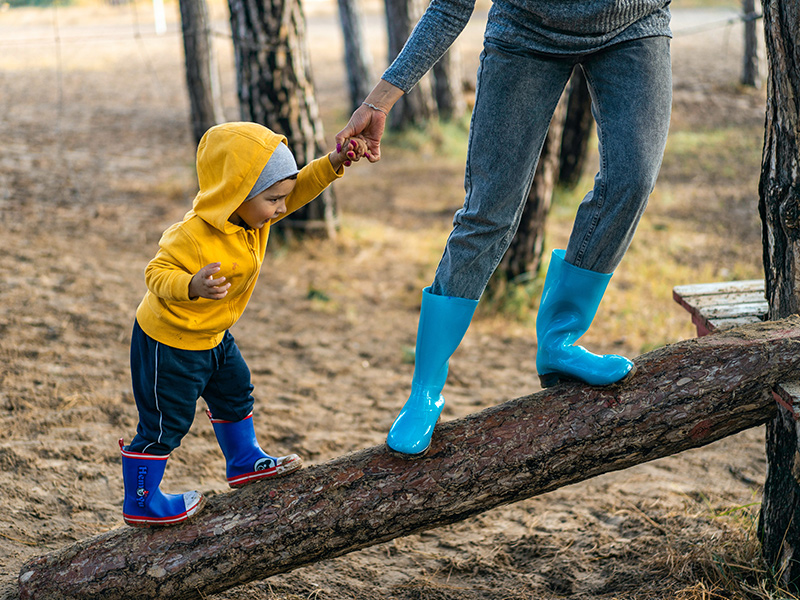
(750, 66)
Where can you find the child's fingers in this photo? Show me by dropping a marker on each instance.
(356, 149)
(215, 293)
(214, 282)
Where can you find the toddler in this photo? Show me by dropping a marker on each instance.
(199, 284)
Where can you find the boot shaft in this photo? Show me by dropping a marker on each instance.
(569, 303)
(141, 474)
(235, 438)
(570, 299)
(443, 321)
(145, 505)
(245, 461)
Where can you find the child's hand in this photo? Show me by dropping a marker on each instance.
(203, 284)
(351, 151)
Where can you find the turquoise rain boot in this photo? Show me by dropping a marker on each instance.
(569, 302)
(443, 321)
(145, 505)
(245, 461)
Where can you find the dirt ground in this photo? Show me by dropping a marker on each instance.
(96, 160)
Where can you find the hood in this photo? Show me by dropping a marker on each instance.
(230, 157)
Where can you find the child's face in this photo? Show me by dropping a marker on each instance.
(268, 205)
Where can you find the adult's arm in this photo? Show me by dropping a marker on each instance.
(435, 32)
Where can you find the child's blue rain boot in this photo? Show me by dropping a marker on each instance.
(443, 321)
(145, 505)
(569, 302)
(245, 461)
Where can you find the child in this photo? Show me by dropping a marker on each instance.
(199, 284)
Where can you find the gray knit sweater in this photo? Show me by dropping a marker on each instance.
(549, 26)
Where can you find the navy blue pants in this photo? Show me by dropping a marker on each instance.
(168, 381)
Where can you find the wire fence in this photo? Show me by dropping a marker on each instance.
(139, 28)
(138, 25)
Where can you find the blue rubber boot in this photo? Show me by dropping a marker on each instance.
(569, 302)
(245, 461)
(145, 505)
(443, 321)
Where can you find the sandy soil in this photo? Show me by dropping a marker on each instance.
(96, 160)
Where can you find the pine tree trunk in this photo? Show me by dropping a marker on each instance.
(357, 58)
(779, 205)
(202, 74)
(683, 396)
(578, 127)
(523, 258)
(418, 105)
(275, 89)
(448, 85)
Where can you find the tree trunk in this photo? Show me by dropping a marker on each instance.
(523, 258)
(750, 62)
(683, 396)
(357, 58)
(448, 85)
(779, 205)
(578, 127)
(273, 72)
(202, 74)
(418, 105)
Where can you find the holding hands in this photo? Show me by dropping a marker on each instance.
(348, 151)
(369, 119)
(203, 284)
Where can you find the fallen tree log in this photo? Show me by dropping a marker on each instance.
(683, 396)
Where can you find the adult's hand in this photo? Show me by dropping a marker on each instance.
(369, 119)
(369, 124)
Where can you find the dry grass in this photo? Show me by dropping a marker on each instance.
(97, 161)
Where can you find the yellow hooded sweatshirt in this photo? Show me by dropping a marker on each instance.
(230, 158)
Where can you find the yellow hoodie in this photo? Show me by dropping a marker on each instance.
(230, 158)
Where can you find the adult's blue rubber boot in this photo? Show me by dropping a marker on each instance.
(443, 321)
(245, 461)
(145, 505)
(569, 303)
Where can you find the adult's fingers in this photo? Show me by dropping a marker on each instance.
(360, 121)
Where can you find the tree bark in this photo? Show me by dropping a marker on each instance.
(418, 105)
(449, 86)
(578, 126)
(683, 396)
(202, 73)
(357, 58)
(273, 72)
(523, 258)
(779, 206)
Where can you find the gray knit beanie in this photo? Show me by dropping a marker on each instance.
(281, 165)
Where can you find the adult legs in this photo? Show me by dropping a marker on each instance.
(631, 100)
(516, 96)
(631, 87)
(515, 100)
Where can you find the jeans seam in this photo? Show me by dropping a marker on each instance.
(468, 165)
(603, 170)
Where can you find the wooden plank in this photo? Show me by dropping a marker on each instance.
(723, 305)
(723, 287)
(732, 311)
(711, 300)
(787, 394)
(723, 324)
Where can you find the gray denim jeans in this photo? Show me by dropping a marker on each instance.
(517, 93)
